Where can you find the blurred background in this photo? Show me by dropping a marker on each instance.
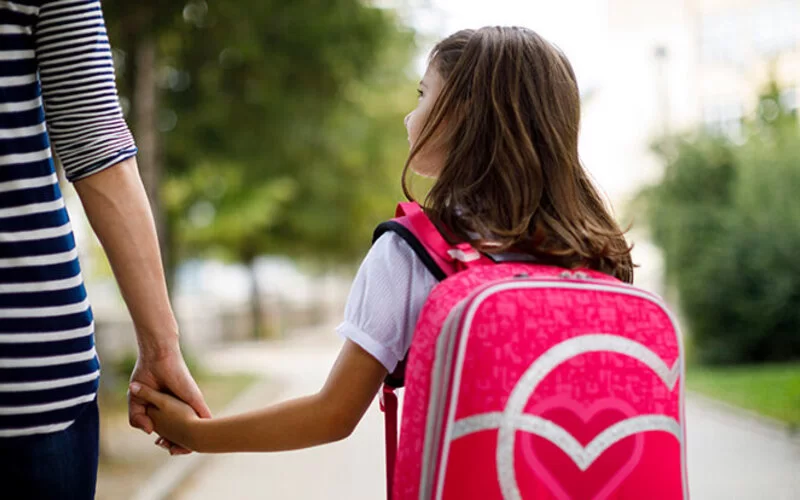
(271, 143)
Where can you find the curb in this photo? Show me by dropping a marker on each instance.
(160, 485)
(747, 418)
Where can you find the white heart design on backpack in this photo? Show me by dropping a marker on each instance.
(628, 454)
(514, 421)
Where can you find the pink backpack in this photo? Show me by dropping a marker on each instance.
(533, 382)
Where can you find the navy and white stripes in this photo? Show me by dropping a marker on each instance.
(54, 55)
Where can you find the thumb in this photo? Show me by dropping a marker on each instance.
(187, 391)
(148, 395)
(194, 398)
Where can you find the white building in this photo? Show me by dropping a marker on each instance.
(675, 65)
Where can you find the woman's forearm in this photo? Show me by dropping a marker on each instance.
(117, 208)
(299, 423)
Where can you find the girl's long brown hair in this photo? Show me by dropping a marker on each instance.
(509, 115)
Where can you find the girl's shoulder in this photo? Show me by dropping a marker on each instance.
(393, 254)
(391, 242)
(392, 269)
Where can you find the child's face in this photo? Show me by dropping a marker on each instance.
(429, 161)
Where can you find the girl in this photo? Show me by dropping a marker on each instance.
(497, 127)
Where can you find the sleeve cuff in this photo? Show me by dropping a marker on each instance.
(105, 164)
(384, 356)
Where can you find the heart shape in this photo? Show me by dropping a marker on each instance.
(557, 471)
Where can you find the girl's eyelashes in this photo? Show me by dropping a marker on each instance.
(419, 93)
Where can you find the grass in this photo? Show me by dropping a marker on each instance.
(771, 390)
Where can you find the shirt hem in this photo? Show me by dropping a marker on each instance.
(353, 333)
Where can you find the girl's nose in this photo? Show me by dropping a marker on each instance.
(406, 119)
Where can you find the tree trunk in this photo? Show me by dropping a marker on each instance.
(256, 309)
(145, 114)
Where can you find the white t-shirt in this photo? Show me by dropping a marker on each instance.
(385, 300)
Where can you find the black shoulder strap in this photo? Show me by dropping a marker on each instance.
(402, 231)
(396, 379)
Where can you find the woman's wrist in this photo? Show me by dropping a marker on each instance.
(158, 344)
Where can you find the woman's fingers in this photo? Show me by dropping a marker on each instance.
(149, 395)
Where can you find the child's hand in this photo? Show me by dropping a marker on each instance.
(173, 419)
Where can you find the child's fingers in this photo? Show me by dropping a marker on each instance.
(153, 412)
(147, 394)
(137, 416)
(170, 447)
(175, 450)
(162, 443)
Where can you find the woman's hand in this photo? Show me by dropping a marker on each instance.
(173, 419)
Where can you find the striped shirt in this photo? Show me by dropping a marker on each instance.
(56, 81)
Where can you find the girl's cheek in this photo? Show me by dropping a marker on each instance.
(410, 123)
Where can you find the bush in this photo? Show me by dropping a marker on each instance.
(727, 217)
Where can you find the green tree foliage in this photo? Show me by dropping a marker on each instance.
(727, 216)
(280, 123)
(318, 191)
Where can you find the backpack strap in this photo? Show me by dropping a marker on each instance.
(389, 407)
(400, 226)
(452, 257)
(442, 259)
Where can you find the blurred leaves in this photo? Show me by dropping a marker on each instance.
(727, 217)
(282, 122)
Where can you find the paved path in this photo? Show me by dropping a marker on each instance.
(732, 458)
(729, 458)
(351, 469)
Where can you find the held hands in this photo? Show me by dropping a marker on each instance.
(163, 370)
(172, 419)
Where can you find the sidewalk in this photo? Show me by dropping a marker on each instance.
(351, 469)
(730, 458)
(736, 458)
